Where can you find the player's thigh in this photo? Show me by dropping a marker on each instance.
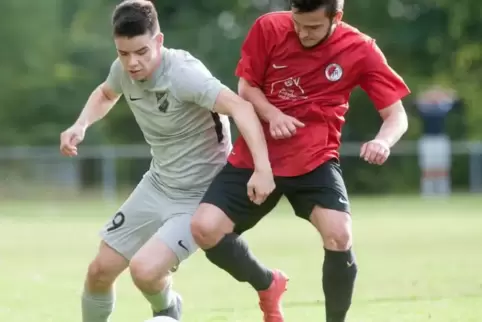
(172, 243)
(321, 197)
(226, 207)
(137, 220)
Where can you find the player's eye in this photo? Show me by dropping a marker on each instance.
(122, 53)
(142, 52)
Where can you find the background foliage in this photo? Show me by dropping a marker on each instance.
(54, 52)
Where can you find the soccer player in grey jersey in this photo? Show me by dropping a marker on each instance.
(176, 101)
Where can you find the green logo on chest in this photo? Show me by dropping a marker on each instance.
(162, 101)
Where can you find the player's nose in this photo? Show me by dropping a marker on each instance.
(132, 61)
(303, 34)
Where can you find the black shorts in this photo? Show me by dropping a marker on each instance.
(322, 187)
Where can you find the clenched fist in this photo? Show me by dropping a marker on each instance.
(375, 152)
(260, 186)
(283, 126)
(70, 138)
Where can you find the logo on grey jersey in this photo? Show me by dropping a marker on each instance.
(162, 101)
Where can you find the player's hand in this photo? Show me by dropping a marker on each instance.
(283, 126)
(375, 152)
(260, 186)
(70, 138)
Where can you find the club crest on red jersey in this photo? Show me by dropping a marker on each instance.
(333, 72)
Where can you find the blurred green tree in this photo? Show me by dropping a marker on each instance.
(56, 51)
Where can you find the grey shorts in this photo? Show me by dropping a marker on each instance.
(150, 212)
(434, 152)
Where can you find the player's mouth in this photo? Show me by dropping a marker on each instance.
(310, 43)
(134, 72)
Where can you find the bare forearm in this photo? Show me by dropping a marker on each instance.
(262, 106)
(393, 128)
(97, 106)
(250, 128)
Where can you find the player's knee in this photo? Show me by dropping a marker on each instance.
(338, 239)
(100, 276)
(337, 232)
(209, 225)
(144, 275)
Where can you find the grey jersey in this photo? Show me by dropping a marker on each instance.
(189, 142)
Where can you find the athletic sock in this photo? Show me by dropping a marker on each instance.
(162, 300)
(233, 255)
(97, 307)
(339, 274)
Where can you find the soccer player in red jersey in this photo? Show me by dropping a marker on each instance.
(298, 68)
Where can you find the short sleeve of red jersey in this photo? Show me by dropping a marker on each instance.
(382, 84)
(254, 56)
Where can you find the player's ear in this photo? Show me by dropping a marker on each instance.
(160, 38)
(338, 17)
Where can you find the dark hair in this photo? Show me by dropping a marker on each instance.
(133, 18)
(331, 6)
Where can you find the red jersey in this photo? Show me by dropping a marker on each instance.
(312, 85)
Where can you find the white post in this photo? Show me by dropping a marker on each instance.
(109, 178)
(475, 167)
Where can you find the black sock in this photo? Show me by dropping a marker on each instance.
(339, 274)
(233, 255)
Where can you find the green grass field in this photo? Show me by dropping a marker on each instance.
(419, 261)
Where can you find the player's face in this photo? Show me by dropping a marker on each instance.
(313, 27)
(139, 55)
